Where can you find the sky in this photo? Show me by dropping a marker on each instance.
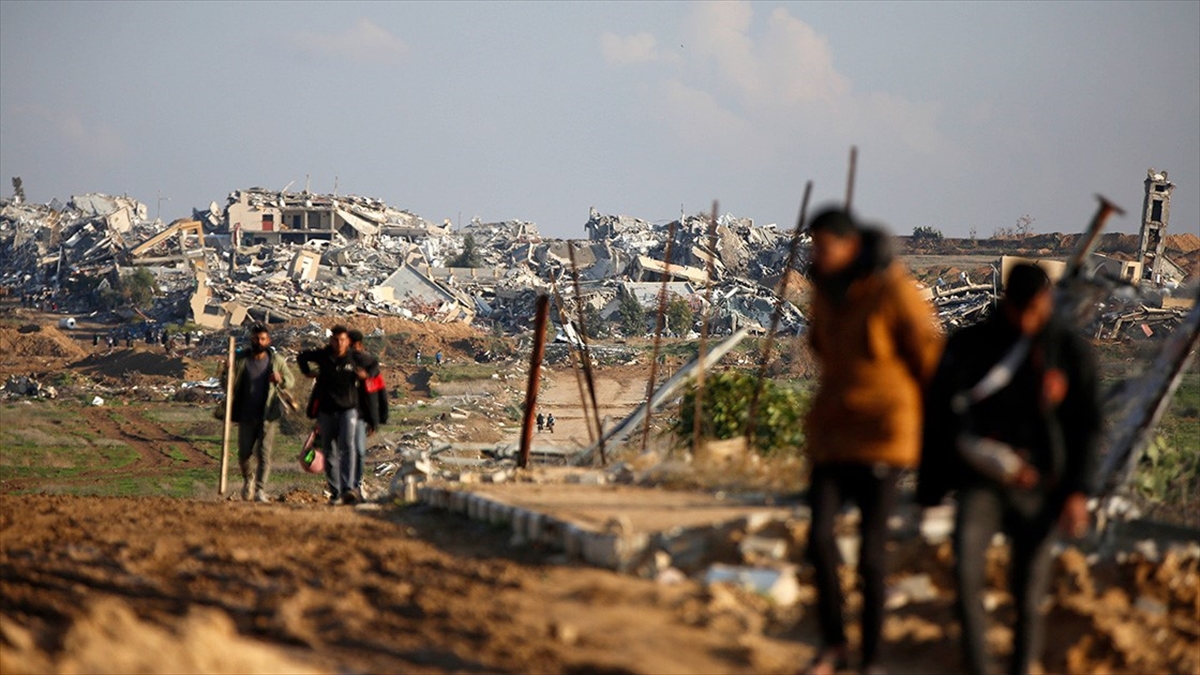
(966, 116)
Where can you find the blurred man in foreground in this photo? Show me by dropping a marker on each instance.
(877, 345)
(1013, 422)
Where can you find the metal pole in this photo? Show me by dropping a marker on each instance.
(850, 177)
(698, 412)
(587, 357)
(658, 328)
(535, 375)
(765, 357)
(576, 361)
(228, 418)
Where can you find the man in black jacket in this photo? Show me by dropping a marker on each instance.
(336, 394)
(1011, 423)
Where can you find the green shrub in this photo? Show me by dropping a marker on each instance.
(779, 427)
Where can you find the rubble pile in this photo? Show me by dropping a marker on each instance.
(279, 256)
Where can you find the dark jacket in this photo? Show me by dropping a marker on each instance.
(1059, 440)
(372, 406)
(337, 385)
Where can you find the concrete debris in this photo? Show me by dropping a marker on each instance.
(780, 585)
(278, 256)
(20, 386)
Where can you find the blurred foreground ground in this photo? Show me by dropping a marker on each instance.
(125, 585)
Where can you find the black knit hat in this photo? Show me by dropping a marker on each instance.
(834, 221)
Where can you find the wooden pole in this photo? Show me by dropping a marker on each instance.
(658, 329)
(589, 378)
(573, 352)
(769, 341)
(535, 375)
(850, 177)
(228, 418)
(698, 411)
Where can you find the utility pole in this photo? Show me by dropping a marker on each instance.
(158, 209)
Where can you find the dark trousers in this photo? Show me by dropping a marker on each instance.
(1028, 519)
(873, 489)
(256, 439)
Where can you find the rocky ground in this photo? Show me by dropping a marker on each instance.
(190, 583)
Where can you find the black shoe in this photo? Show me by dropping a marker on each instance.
(351, 497)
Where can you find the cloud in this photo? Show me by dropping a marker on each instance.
(775, 85)
(363, 43)
(639, 48)
(88, 139)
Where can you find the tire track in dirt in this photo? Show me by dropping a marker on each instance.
(150, 439)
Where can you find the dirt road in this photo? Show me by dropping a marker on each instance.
(334, 589)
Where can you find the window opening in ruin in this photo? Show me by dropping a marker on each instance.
(1160, 188)
(1156, 210)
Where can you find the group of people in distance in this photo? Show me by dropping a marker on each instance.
(348, 402)
(1005, 413)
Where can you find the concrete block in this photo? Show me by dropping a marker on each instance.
(778, 584)
(600, 549)
(754, 546)
(572, 541)
(534, 529)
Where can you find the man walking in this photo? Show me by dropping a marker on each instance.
(261, 375)
(877, 344)
(1013, 423)
(339, 370)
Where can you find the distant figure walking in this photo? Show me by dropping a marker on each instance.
(260, 375)
(437, 358)
(418, 357)
(876, 343)
(335, 401)
(550, 422)
(541, 422)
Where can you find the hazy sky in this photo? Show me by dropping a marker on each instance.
(966, 115)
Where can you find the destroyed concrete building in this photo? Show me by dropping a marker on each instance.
(277, 256)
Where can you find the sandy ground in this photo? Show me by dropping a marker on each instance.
(122, 585)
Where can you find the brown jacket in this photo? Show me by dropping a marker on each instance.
(878, 345)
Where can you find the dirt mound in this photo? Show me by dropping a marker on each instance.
(124, 362)
(47, 341)
(403, 338)
(110, 638)
(1184, 243)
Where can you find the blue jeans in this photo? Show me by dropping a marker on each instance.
(360, 441)
(338, 442)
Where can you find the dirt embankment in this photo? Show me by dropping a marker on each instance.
(37, 341)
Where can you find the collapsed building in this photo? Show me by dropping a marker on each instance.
(277, 256)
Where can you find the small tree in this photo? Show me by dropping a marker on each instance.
(679, 315)
(927, 232)
(470, 254)
(633, 315)
(139, 288)
(1024, 226)
(779, 428)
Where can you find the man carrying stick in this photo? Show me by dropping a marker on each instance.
(261, 379)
